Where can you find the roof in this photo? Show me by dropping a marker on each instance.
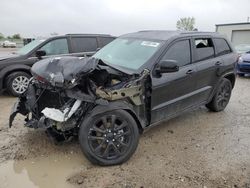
(164, 34)
(242, 23)
(89, 35)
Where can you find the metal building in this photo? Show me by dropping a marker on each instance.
(238, 33)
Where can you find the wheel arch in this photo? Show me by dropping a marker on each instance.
(116, 105)
(11, 69)
(231, 77)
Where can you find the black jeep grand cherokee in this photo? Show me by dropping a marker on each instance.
(15, 68)
(133, 83)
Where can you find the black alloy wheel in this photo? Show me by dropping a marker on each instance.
(110, 138)
(221, 96)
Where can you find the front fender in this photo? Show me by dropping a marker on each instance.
(115, 105)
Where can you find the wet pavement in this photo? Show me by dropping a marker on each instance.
(7, 51)
(39, 172)
(197, 149)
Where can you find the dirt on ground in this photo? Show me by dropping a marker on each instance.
(197, 149)
(7, 51)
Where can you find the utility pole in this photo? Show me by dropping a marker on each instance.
(248, 19)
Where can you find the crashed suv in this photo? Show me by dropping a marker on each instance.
(133, 83)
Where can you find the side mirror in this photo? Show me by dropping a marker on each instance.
(166, 66)
(40, 53)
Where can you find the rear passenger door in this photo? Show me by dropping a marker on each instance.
(83, 46)
(207, 66)
(224, 51)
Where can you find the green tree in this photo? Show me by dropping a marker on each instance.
(16, 36)
(186, 24)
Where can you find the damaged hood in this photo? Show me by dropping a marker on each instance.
(9, 56)
(60, 70)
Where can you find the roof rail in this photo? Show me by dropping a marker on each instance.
(88, 34)
(197, 32)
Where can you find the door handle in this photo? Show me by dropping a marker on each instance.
(190, 71)
(218, 63)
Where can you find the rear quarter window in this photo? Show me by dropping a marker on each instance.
(222, 46)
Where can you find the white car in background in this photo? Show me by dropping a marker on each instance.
(8, 44)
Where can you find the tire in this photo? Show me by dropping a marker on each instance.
(106, 143)
(17, 83)
(221, 96)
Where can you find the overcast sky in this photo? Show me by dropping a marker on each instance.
(41, 17)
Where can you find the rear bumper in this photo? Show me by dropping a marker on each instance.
(243, 68)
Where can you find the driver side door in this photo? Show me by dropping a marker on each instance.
(174, 92)
(52, 48)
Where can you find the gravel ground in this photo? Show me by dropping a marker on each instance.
(7, 51)
(197, 149)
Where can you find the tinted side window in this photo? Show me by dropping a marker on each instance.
(180, 52)
(105, 40)
(222, 46)
(84, 44)
(204, 49)
(55, 47)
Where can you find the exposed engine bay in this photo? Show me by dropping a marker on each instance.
(64, 90)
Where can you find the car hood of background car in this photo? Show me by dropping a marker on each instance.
(9, 56)
(246, 57)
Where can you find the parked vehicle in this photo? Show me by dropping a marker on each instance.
(15, 68)
(243, 65)
(242, 48)
(133, 83)
(8, 44)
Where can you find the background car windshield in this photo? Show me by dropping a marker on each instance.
(243, 48)
(128, 53)
(27, 48)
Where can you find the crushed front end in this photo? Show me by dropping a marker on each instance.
(63, 90)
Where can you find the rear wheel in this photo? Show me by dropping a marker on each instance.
(109, 138)
(221, 96)
(17, 83)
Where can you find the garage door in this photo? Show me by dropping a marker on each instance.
(241, 37)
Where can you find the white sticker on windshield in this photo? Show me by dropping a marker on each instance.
(149, 43)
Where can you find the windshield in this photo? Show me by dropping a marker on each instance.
(243, 48)
(27, 48)
(128, 53)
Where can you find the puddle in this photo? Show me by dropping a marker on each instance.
(41, 172)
